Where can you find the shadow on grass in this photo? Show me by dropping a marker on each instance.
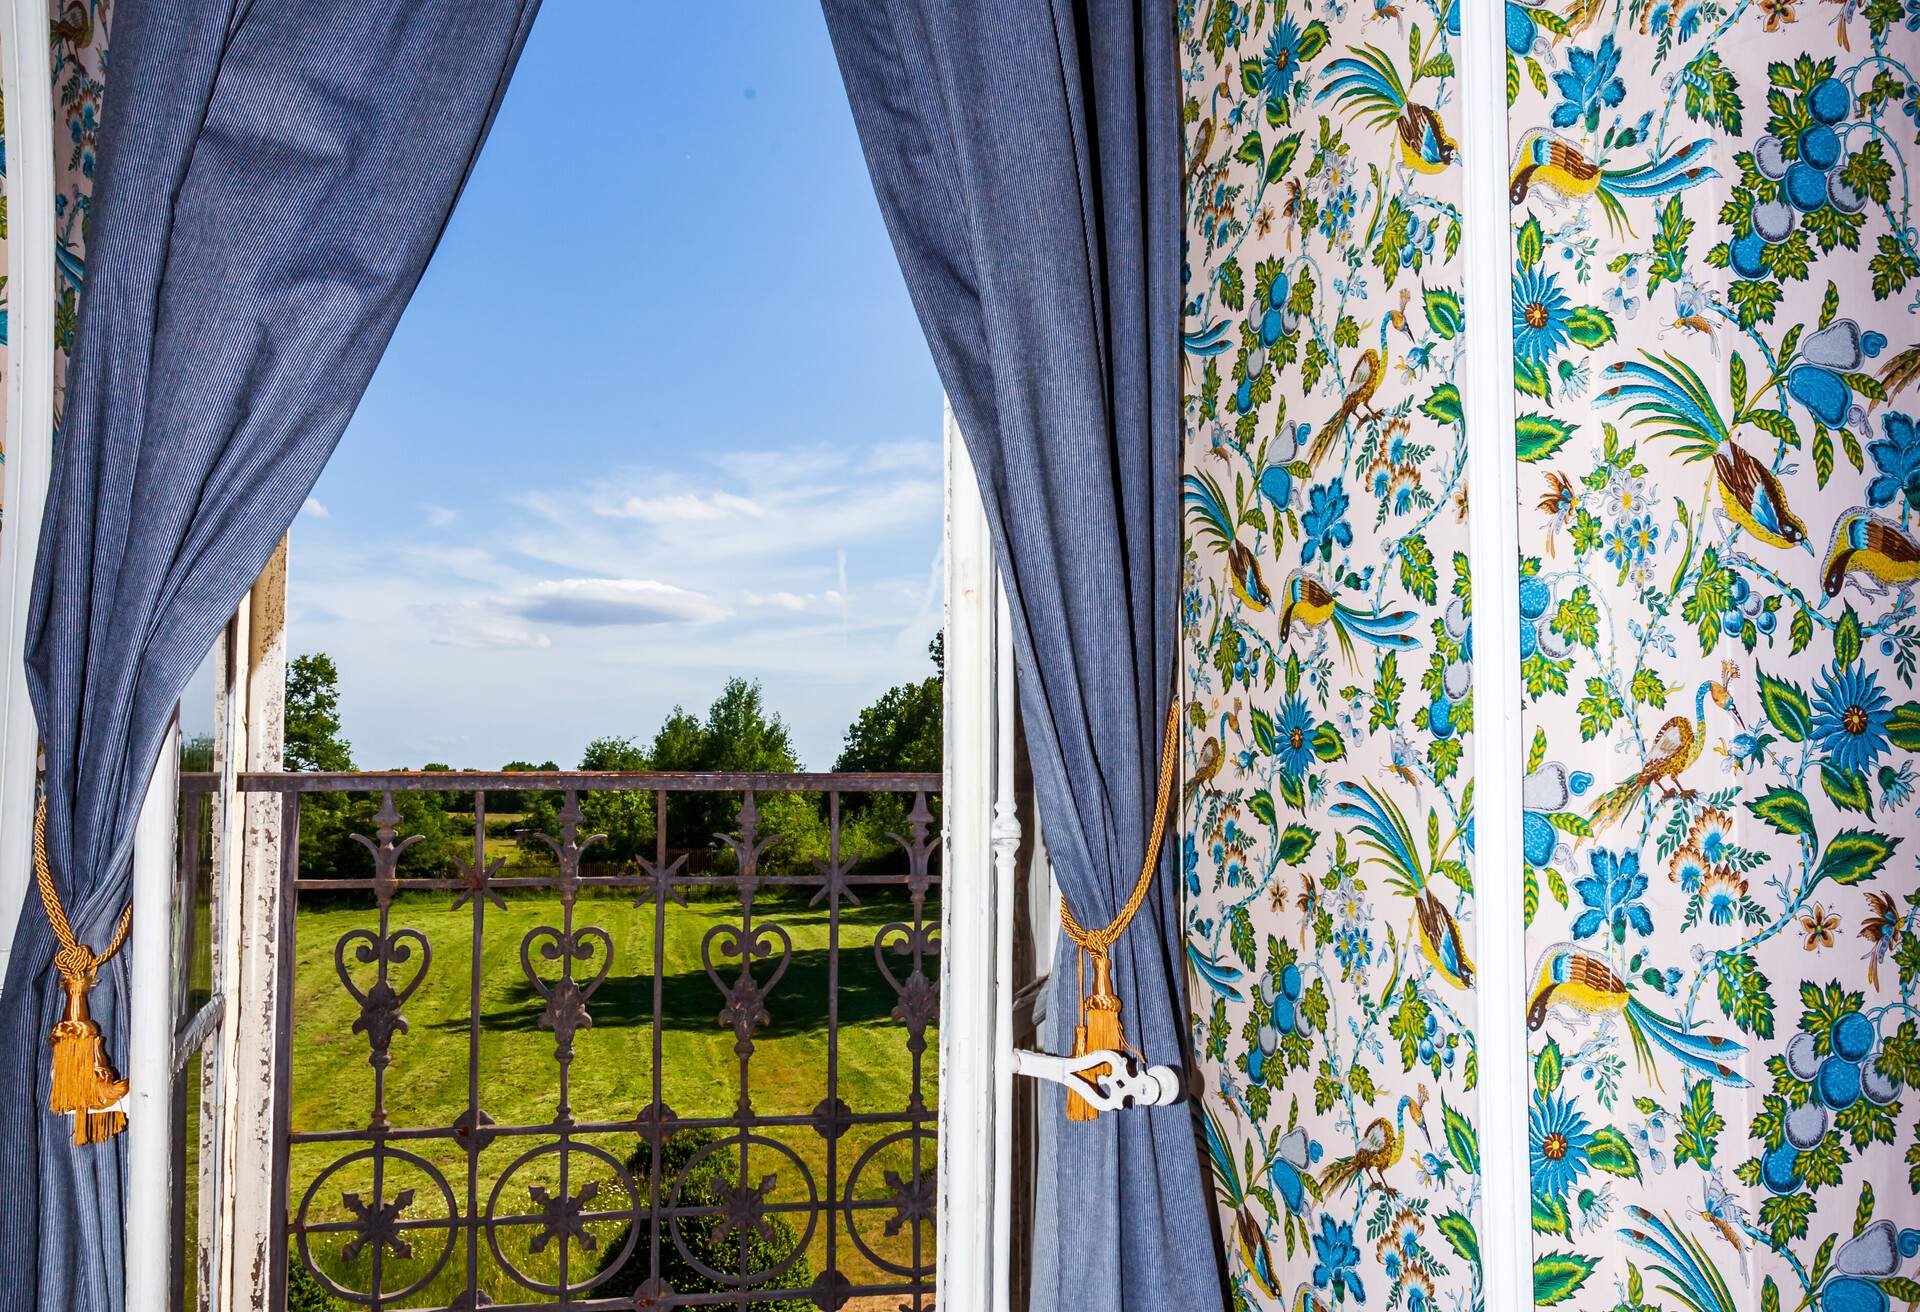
(689, 1000)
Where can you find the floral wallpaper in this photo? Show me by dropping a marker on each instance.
(1326, 633)
(1716, 269)
(1714, 282)
(79, 31)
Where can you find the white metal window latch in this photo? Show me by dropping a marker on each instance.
(1126, 1081)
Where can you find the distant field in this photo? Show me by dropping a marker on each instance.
(612, 1072)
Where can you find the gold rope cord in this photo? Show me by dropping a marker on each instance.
(1100, 1010)
(84, 1084)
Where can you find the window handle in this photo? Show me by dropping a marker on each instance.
(1110, 1080)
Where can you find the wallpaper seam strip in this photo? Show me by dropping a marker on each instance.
(1493, 552)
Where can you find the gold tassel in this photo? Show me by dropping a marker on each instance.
(1099, 1029)
(84, 1085)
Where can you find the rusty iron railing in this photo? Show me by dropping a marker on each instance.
(724, 1209)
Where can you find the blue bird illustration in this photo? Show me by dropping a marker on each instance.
(1670, 397)
(1386, 832)
(1693, 1277)
(1249, 1237)
(1573, 979)
(1308, 600)
(1208, 506)
(1219, 976)
(1555, 165)
(1370, 85)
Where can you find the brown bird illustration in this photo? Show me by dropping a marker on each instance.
(1205, 770)
(1675, 748)
(75, 26)
(1872, 551)
(1381, 1145)
(1358, 400)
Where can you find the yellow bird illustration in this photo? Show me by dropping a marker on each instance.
(1205, 770)
(1573, 979)
(1307, 600)
(1208, 505)
(1557, 166)
(1361, 386)
(1369, 85)
(1675, 748)
(1871, 550)
(1755, 500)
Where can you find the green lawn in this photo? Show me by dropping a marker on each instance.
(612, 1072)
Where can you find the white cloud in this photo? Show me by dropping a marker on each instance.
(681, 508)
(476, 624)
(314, 508)
(439, 516)
(596, 603)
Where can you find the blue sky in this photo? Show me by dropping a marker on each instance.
(659, 413)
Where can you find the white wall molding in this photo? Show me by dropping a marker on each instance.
(152, 1258)
(28, 80)
(1506, 1231)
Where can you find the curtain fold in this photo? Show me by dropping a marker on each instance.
(273, 177)
(1026, 157)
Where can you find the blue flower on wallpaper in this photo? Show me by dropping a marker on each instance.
(1293, 727)
(1190, 865)
(1281, 64)
(1611, 896)
(1541, 315)
(1897, 457)
(1591, 82)
(1558, 1138)
(1913, 15)
(1337, 1260)
(1632, 541)
(1850, 715)
(1326, 521)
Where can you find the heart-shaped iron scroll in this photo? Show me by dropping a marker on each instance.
(566, 1009)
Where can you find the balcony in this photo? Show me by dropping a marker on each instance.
(530, 1063)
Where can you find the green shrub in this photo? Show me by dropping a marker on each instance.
(716, 1174)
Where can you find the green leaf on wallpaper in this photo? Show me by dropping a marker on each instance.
(1460, 1235)
(1529, 244)
(1854, 856)
(1711, 94)
(1589, 327)
(1868, 172)
(1901, 1289)
(1232, 282)
(1577, 617)
(1550, 1216)
(1745, 996)
(1558, 1276)
(1252, 150)
(1266, 736)
(1786, 810)
(1530, 379)
(1282, 158)
(1444, 314)
(1610, 1152)
(1863, 1210)
(1846, 789)
(1538, 436)
(1462, 1140)
(1753, 301)
(1360, 1080)
(1417, 572)
(1442, 404)
(1240, 934)
(1711, 598)
(1407, 1026)
(1769, 1296)
(1700, 1126)
(1822, 454)
(1846, 639)
(1547, 1067)
(1295, 844)
(1786, 705)
(1261, 804)
(1775, 424)
(1529, 897)
(1328, 745)
(1670, 248)
(1387, 687)
(1800, 632)
(1904, 728)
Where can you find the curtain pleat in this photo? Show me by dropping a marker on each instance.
(273, 176)
(1026, 157)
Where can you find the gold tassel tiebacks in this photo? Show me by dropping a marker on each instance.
(84, 1083)
(1100, 1026)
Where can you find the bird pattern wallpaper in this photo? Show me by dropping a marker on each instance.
(1715, 273)
(1327, 817)
(1716, 270)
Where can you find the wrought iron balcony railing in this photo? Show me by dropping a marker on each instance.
(583, 1056)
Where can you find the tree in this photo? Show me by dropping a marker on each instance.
(512, 801)
(313, 740)
(626, 818)
(328, 821)
(901, 732)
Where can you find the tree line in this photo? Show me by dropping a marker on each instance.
(899, 732)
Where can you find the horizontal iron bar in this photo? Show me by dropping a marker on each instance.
(574, 1129)
(597, 781)
(640, 883)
